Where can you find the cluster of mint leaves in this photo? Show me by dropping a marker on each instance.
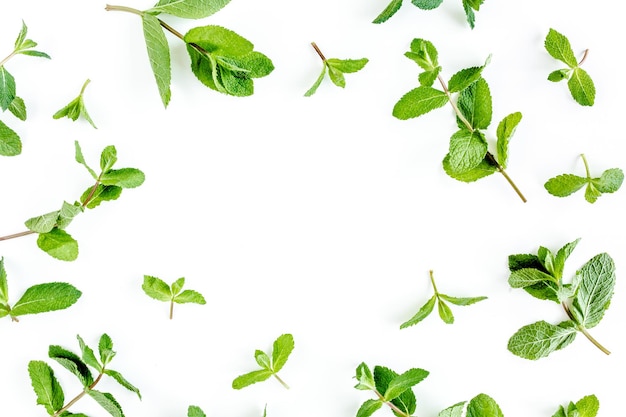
(10, 142)
(468, 158)
(585, 299)
(76, 108)
(220, 58)
(445, 313)
(50, 393)
(336, 69)
(159, 290)
(109, 183)
(396, 391)
(469, 6)
(566, 184)
(40, 298)
(587, 406)
(270, 366)
(579, 82)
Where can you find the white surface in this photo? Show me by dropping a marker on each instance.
(317, 216)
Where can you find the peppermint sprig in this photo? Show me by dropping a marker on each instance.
(336, 69)
(220, 58)
(469, 6)
(585, 299)
(282, 348)
(159, 290)
(76, 108)
(587, 406)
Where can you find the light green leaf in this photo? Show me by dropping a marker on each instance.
(188, 9)
(461, 301)
(455, 410)
(467, 150)
(257, 64)
(67, 213)
(47, 388)
(105, 349)
(159, 54)
(189, 296)
(483, 405)
(44, 223)
(219, 41)
(506, 129)
(4, 286)
(445, 313)
(561, 257)
(592, 193)
(124, 177)
(72, 363)
(389, 11)
(100, 194)
(282, 348)
(21, 36)
(107, 401)
(427, 4)
(588, 406)
(564, 185)
(483, 169)
(558, 75)
(424, 54)
(156, 288)
(18, 108)
(58, 244)
(475, 104)
(7, 88)
(316, 84)
(87, 354)
(538, 340)
(526, 277)
(347, 65)
(423, 312)
(336, 77)
(122, 381)
(404, 382)
(262, 359)
(195, 411)
(177, 285)
(10, 143)
(368, 408)
(365, 378)
(81, 159)
(250, 378)
(108, 158)
(419, 101)
(427, 78)
(464, 78)
(560, 412)
(558, 47)
(581, 86)
(76, 108)
(42, 298)
(235, 84)
(610, 181)
(597, 281)
(469, 13)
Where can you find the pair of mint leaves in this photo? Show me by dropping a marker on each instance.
(40, 298)
(10, 142)
(336, 69)
(584, 300)
(159, 290)
(109, 183)
(220, 58)
(587, 406)
(270, 365)
(469, 6)
(50, 393)
(468, 158)
(396, 391)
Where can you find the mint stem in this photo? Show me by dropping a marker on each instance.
(432, 279)
(171, 309)
(584, 57)
(79, 396)
(391, 405)
(582, 155)
(319, 52)
(489, 155)
(281, 381)
(584, 331)
(11, 55)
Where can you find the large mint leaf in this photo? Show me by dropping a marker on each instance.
(188, 9)
(484, 169)
(72, 363)
(47, 388)
(467, 150)
(406, 401)
(123, 177)
(526, 277)
(597, 281)
(582, 88)
(218, 41)
(282, 348)
(10, 143)
(58, 244)
(564, 185)
(159, 55)
(42, 298)
(464, 78)
(539, 339)
(44, 223)
(610, 180)
(558, 47)
(403, 382)
(419, 101)
(475, 104)
(156, 288)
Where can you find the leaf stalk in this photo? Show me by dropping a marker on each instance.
(391, 405)
(319, 52)
(584, 330)
(79, 396)
(281, 381)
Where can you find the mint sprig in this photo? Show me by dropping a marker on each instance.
(584, 300)
(49, 391)
(109, 183)
(159, 290)
(40, 298)
(10, 142)
(566, 184)
(468, 158)
(469, 6)
(336, 69)
(587, 406)
(220, 58)
(579, 82)
(76, 108)
(282, 348)
(445, 313)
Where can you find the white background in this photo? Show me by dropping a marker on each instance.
(315, 216)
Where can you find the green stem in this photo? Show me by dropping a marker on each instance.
(391, 405)
(582, 155)
(79, 396)
(319, 52)
(432, 280)
(281, 381)
(11, 55)
(584, 331)
(469, 127)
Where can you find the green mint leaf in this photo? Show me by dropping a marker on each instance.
(565, 184)
(467, 150)
(250, 378)
(100, 194)
(588, 406)
(475, 104)
(404, 382)
(219, 41)
(389, 11)
(427, 4)
(177, 286)
(546, 257)
(18, 108)
(597, 281)
(107, 401)
(506, 129)
(538, 340)
(406, 401)
(470, 16)
(263, 359)
(108, 158)
(365, 378)
(282, 348)
(72, 363)
(195, 411)
(455, 410)
(10, 143)
(47, 388)
(42, 298)
(610, 181)
(235, 84)
(316, 84)
(4, 286)
(461, 301)
(76, 108)
(427, 78)
(464, 78)
(559, 75)
(67, 213)
(87, 354)
(561, 257)
(255, 64)
(44, 223)
(105, 349)
(445, 313)
(336, 77)
(483, 405)
(7, 88)
(582, 88)
(189, 296)
(423, 312)
(526, 277)
(418, 102)
(368, 408)
(123, 178)
(188, 9)
(558, 47)
(156, 288)
(122, 381)
(159, 55)
(58, 244)
(347, 65)
(81, 160)
(524, 260)
(424, 54)
(484, 169)
(560, 412)
(21, 36)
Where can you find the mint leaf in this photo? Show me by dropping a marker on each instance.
(263, 359)
(505, 131)
(188, 9)
(526, 277)
(250, 378)
(588, 406)
(195, 411)
(582, 88)
(597, 281)
(421, 314)
(538, 340)
(445, 313)
(282, 348)
(43, 223)
(122, 381)
(81, 159)
(347, 65)
(406, 401)
(156, 288)
(177, 285)
(461, 301)
(76, 108)
(427, 4)
(88, 355)
(455, 410)
(189, 296)
(107, 401)
(483, 169)
(558, 47)
(123, 178)
(389, 11)
(368, 408)
(159, 55)
(424, 53)
(464, 78)
(558, 75)
(72, 363)
(159, 290)
(475, 104)
(105, 349)
(404, 382)
(336, 69)
(565, 184)
(483, 406)
(18, 108)
(10, 143)
(4, 286)
(467, 150)
(418, 102)
(47, 388)
(58, 244)
(42, 298)
(7, 88)
(365, 377)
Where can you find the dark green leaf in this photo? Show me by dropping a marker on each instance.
(250, 378)
(475, 104)
(10, 143)
(484, 169)
(404, 382)
(7, 88)
(581, 86)
(107, 401)
(525, 277)
(316, 84)
(506, 129)
(520, 261)
(282, 348)
(58, 244)
(188, 9)
(18, 108)
(389, 11)
(159, 54)
(156, 288)
(564, 185)
(419, 101)
(427, 4)
(461, 301)
(189, 296)
(47, 388)
(347, 65)
(122, 381)
(539, 339)
(124, 177)
(464, 78)
(597, 281)
(368, 408)
(558, 47)
(42, 298)
(423, 312)
(72, 363)
(483, 405)
(88, 355)
(467, 150)
(405, 402)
